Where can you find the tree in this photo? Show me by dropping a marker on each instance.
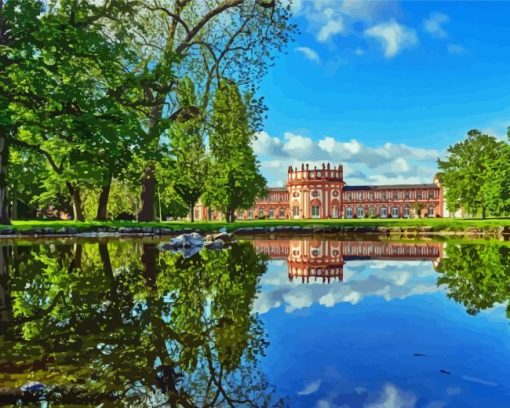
(65, 93)
(205, 41)
(188, 149)
(477, 275)
(165, 331)
(235, 179)
(475, 175)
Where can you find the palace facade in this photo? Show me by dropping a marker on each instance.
(311, 260)
(322, 193)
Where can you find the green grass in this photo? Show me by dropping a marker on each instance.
(437, 224)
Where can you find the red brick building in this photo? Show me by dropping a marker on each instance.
(323, 193)
(323, 261)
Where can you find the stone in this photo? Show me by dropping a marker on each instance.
(224, 236)
(7, 231)
(214, 245)
(72, 230)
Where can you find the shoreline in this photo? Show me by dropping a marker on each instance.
(494, 228)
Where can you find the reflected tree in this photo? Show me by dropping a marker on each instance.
(125, 322)
(477, 275)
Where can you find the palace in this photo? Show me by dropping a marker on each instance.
(323, 193)
(323, 261)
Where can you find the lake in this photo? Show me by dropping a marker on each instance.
(305, 322)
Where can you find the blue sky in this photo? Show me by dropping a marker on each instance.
(385, 87)
(352, 343)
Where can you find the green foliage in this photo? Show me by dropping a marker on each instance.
(477, 275)
(235, 180)
(190, 174)
(475, 175)
(124, 323)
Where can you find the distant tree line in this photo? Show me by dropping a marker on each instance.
(476, 175)
(132, 108)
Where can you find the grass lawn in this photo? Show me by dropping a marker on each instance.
(437, 224)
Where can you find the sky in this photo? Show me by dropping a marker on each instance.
(361, 338)
(384, 87)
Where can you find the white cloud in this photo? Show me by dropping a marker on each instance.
(361, 279)
(456, 49)
(434, 24)
(393, 397)
(263, 144)
(331, 28)
(309, 53)
(388, 163)
(393, 37)
(310, 388)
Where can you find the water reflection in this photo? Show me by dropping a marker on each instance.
(123, 322)
(343, 322)
(324, 260)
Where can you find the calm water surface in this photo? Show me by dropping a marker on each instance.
(299, 323)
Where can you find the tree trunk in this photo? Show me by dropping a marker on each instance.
(484, 212)
(77, 204)
(192, 212)
(149, 256)
(146, 213)
(4, 159)
(5, 292)
(102, 205)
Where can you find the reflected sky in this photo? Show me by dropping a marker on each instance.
(299, 323)
(383, 334)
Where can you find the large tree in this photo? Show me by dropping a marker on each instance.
(475, 175)
(68, 91)
(235, 180)
(206, 41)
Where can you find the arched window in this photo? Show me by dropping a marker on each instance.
(281, 212)
(316, 208)
(261, 212)
(271, 212)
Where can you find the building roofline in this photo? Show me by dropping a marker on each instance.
(389, 186)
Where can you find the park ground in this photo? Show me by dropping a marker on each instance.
(436, 224)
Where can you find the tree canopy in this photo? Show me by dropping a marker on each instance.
(475, 175)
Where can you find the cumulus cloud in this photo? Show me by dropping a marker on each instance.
(388, 163)
(309, 53)
(310, 388)
(393, 397)
(434, 24)
(331, 28)
(393, 37)
(386, 279)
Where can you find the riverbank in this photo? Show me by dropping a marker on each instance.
(426, 226)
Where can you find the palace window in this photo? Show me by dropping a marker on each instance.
(315, 193)
(360, 212)
(431, 194)
(395, 195)
(295, 211)
(271, 213)
(348, 212)
(281, 213)
(406, 212)
(431, 211)
(384, 212)
(250, 214)
(418, 194)
(316, 211)
(406, 194)
(371, 212)
(318, 174)
(348, 197)
(383, 195)
(261, 213)
(394, 212)
(371, 196)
